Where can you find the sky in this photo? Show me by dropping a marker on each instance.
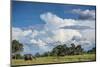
(42, 26)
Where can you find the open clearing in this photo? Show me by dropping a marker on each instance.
(50, 59)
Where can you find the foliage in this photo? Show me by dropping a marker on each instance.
(17, 56)
(62, 50)
(16, 49)
(93, 50)
(37, 55)
(16, 46)
(59, 50)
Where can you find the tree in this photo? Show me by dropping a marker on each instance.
(37, 55)
(93, 50)
(46, 54)
(59, 50)
(78, 50)
(71, 49)
(67, 50)
(16, 48)
(17, 56)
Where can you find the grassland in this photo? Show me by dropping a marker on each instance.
(50, 59)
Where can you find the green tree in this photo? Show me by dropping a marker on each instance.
(59, 50)
(93, 50)
(16, 48)
(71, 49)
(67, 50)
(17, 56)
(78, 50)
(37, 55)
(46, 54)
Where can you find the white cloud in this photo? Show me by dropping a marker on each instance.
(51, 32)
(27, 32)
(53, 24)
(53, 21)
(65, 35)
(89, 35)
(85, 14)
(21, 35)
(16, 33)
(38, 42)
(89, 23)
(34, 33)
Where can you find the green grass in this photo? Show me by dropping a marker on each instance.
(50, 59)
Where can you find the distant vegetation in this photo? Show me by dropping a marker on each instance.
(58, 52)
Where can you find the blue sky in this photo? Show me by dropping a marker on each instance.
(41, 26)
(28, 13)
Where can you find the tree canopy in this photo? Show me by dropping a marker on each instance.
(16, 46)
(62, 50)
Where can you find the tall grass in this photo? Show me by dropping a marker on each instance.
(52, 59)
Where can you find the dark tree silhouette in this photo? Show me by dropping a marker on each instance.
(93, 50)
(78, 50)
(16, 48)
(59, 50)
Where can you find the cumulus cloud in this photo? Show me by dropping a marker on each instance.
(53, 21)
(53, 24)
(89, 35)
(18, 33)
(38, 42)
(85, 14)
(21, 35)
(65, 35)
(51, 32)
(87, 45)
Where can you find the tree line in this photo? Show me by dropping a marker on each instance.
(59, 50)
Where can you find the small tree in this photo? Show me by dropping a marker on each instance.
(17, 56)
(71, 49)
(16, 48)
(78, 50)
(93, 50)
(59, 50)
(37, 55)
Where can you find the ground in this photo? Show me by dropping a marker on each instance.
(50, 59)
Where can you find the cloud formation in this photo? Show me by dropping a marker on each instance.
(53, 24)
(51, 34)
(85, 14)
(76, 27)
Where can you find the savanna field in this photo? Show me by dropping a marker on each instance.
(52, 59)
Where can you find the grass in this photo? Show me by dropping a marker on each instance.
(50, 59)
